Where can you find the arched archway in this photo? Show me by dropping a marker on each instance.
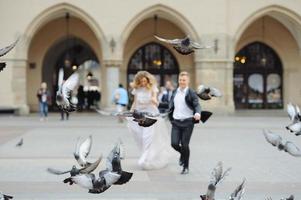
(79, 53)
(155, 59)
(257, 77)
(284, 43)
(44, 55)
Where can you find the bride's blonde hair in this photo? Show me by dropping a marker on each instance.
(151, 81)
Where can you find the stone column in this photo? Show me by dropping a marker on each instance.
(18, 86)
(219, 74)
(110, 81)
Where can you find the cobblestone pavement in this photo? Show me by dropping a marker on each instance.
(236, 140)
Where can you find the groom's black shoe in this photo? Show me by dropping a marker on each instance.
(185, 170)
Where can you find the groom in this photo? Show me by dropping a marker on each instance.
(184, 112)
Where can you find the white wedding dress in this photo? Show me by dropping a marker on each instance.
(153, 141)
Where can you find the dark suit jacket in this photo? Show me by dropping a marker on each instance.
(191, 100)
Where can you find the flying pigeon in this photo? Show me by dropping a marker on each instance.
(217, 176)
(278, 142)
(20, 143)
(113, 175)
(184, 46)
(5, 197)
(206, 93)
(63, 95)
(238, 192)
(4, 51)
(82, 150)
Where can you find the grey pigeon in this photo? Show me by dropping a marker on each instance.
(238, 192)
(20, 143)
(5, 196)
(217, 176)
(184, 46)
(206, 93)
(63, 95)
(4, 51)
(82, 150)
(113, 175)
(278, 142)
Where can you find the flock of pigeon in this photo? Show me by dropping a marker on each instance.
(113, 174)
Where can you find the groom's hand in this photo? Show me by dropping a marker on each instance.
(197, 116)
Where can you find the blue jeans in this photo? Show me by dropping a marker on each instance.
(43, 109)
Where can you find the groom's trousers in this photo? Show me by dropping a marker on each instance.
(180, 137)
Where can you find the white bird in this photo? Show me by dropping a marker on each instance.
(63, 95)
(184, 46)
(82, 150)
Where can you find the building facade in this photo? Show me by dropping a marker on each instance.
(256, 59)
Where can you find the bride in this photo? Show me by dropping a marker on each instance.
(153, 141)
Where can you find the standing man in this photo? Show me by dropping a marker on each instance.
(185, 110)
(121, 99)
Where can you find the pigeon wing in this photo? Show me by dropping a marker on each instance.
(173, 42)
(70, 84)
(291, 111)
(216, 173)
(111, 178)
(292, 149)
(196, 45)
(90, 168)
(7, 49)
(125, 177)
(7, 197)
(239, 191)
(272, 138)
(57, 172)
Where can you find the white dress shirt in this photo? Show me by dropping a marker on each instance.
(181, 110)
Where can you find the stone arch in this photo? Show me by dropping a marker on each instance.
(58, 11)
(162, 11)
(287, 17)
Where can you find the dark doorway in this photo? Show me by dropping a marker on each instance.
(78, 52)
(257, 78)
(157, 60)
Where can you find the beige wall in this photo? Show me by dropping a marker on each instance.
(232, 22)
